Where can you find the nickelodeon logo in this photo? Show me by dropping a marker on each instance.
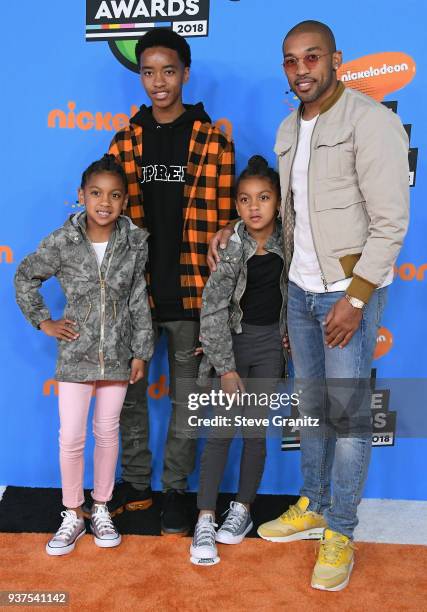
(384, 342)
(86, 120)
(51, 386)
(378, 74)
(156, 390)
(409, 272)
(6, 254)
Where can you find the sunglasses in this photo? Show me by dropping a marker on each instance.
(310, 60)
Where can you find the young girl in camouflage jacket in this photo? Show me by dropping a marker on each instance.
(104, 337)
(241, 332)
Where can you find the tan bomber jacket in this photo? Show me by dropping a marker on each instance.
(358, 189)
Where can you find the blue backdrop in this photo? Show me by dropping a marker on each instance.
(51, 75)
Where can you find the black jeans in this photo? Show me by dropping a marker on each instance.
(180, 450)
(259, 355)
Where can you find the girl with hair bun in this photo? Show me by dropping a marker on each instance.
(241, 331)
(104, 338)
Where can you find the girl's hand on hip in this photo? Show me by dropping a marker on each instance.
(61, 329)
(137, 369)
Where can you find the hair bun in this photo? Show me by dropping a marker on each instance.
(258, 167)
(257, 163)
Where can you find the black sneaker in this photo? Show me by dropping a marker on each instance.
(174, 517)
(125, 497)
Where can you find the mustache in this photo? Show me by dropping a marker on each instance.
(304, 80)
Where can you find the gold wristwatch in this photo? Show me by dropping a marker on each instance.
(355, 302)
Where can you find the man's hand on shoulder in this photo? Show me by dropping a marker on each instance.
(220, 239)
(341, 323)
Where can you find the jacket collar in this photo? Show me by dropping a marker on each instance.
(333, 99)
(274, 242)
(276, 239)
(75, 227)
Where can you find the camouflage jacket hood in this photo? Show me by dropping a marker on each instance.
(108, 302)
(221, 314)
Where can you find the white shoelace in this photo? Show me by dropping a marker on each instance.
(68, 524)
(205, 533)
(235, 518)
(102, 519)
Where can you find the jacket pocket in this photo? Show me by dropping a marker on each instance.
(335, 153)
(88, 311)
(342, 219)
(337, 194)
(80, 313)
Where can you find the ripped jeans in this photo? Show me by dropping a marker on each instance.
(336, 388)
(180, 449)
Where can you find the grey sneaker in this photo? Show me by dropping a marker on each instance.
(103, 529)
(72, 528)
(237, 524)
(203, 548)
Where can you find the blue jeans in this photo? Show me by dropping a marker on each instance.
(334, 385)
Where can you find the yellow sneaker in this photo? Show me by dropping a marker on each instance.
(334, 563)
(294, 524)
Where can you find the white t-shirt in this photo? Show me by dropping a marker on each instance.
(305, 270)
(100, 248)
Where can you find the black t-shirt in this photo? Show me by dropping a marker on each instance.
(262, 301)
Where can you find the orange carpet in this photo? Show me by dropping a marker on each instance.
(154, 573)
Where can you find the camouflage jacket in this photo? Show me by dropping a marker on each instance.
(221, 314)
(108, 303)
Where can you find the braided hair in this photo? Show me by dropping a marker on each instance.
(107, 163)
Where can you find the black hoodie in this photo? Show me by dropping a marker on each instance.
(164, 164)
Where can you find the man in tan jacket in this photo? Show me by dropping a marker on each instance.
(343, 161)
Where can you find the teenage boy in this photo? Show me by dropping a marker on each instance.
(180, 171)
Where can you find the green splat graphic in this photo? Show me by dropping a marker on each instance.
(124, 51)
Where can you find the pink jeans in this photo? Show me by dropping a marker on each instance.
(74, 401)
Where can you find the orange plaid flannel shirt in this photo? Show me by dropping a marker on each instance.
(208, 198)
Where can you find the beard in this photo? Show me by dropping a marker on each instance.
(317, 91)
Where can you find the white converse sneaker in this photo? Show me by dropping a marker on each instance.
(72, 528)
(203, 548)
(237, 524)
(103, 529)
